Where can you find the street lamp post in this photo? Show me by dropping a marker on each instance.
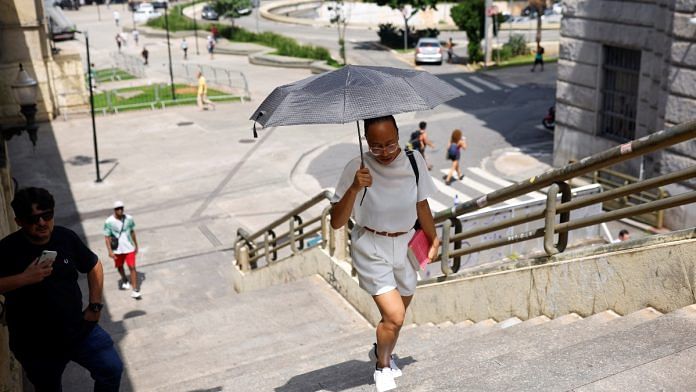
(169, 50)
(91, 107)
(195, 26)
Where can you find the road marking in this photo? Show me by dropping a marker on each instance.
(486, 83)
(510, 85)
(449, 191)
(477, 186)
(468, 85)
(436, 206)
(502, 182)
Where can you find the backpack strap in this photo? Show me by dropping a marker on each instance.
(414, 165)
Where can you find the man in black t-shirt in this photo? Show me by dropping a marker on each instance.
(48, 326)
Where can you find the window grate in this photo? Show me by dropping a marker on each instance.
(620, 92)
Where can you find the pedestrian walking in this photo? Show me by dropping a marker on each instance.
(117, 18)
(624, 235)
(457, 143)
(136, 37)
(48, 327)
(539, 58)
(119, 41)
(419, 141)
(184, 48)
(211, 46)
(384, 225)
(214, 32)
(450, 50)
(122, 245)
(146, 54)
(202, 97)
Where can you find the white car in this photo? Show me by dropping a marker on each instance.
(146, 7)
(428, 50)
(141, 16)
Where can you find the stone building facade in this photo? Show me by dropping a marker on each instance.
(627, 69)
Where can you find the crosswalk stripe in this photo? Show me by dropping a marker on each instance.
(510, 85)
(486, 83)
(436, 206)
(502, 182)
(449, 191)
(477, 186)
(468, 85)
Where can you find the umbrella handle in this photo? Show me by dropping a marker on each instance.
(362, 160)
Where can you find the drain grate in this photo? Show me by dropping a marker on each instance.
(184, 123)
(247, 141)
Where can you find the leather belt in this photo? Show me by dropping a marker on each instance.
(385, 233)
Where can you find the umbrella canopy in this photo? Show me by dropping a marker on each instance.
(353, 93)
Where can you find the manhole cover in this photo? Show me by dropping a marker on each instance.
(184, 123)
(246, 141)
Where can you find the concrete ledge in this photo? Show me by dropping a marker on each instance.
(659, 272)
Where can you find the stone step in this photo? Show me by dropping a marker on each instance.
(604, 356)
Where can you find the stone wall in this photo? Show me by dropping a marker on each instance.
(23, 39)
(70, 86)
(667, 83)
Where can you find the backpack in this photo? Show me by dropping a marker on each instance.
(414, 143)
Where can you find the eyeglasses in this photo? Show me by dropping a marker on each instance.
(34, 219)
(390, 149)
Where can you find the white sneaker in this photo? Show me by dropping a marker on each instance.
(125, 285)
(396, 372)
(384, 380)
(135, 294)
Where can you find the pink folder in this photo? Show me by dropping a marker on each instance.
(418, 249)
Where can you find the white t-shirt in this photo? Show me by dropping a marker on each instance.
(112, 227)
(390, 203)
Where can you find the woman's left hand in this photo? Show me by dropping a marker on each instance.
(434, 249)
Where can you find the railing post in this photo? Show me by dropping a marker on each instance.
(243, 259)
(300, 231)
(444, 260)
(550, 220)
(325, 226)
(339, 243)
(457, 261)
(266, 247)
(291, 237)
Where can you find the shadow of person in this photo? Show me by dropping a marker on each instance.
(141, 279)
(338, 377)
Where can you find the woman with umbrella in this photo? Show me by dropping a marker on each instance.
(384, 222)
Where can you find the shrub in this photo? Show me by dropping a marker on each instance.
(502, 54)
(517, 44)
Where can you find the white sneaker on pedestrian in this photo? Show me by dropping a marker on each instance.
(392, 361)
(135, 294)
(384, 380)
(125, 285)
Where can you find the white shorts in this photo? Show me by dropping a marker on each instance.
(382, 262)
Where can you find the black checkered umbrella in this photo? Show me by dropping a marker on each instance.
(353, 93)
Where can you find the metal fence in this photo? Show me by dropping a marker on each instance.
(134, 65)
(234, 82)
(262, 247)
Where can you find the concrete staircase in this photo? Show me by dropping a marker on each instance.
(303, 336)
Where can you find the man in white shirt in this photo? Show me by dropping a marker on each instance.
(384, 223)
(122, 244)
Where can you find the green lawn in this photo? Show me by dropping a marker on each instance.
(526, 59)
(110, 74)
(140, 97)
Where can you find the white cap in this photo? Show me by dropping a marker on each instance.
(118, 204)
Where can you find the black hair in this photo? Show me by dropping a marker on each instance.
(422, 125)
(370, 121)
(623, 232)
(25, 198)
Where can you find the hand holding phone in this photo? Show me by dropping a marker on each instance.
(47, 258)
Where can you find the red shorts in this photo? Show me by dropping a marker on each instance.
(129, 258)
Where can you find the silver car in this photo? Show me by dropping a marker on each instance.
(428, 50)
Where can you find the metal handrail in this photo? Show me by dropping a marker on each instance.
(448, 218)
(629, 150)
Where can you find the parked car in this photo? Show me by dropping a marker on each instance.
(209, 13)
(428, 50)
(244, 11)
(143, 14)
(145, 7)
(67, 4)
(160, 3)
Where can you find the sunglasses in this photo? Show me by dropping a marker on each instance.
(34, 219)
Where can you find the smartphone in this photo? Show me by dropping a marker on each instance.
(47, 257)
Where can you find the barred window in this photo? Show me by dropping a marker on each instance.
(620, 93)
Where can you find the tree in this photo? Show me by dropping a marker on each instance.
(231, 8)
(408, 9)
(469, 16)
(338, 17)
(539, 6)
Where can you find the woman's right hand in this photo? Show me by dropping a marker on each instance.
(362, 179)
